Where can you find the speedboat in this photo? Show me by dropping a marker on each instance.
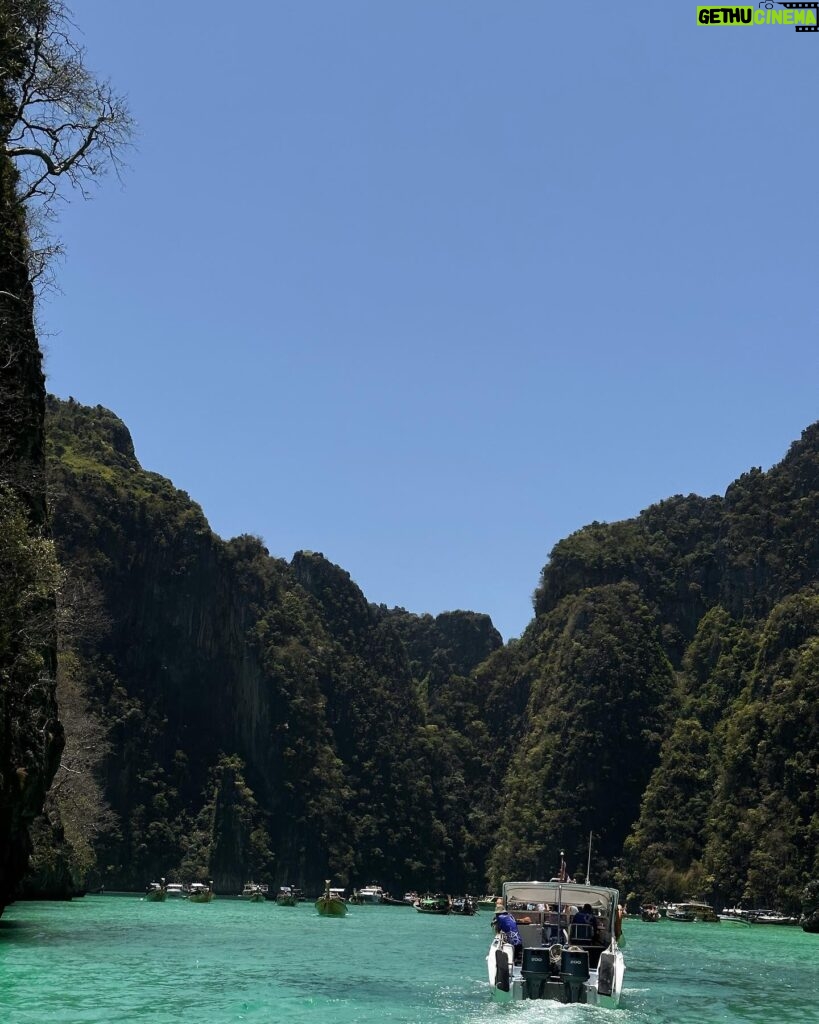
(368, 894)
(155, 892)
(561, 960)
(770, 917)
(734, 914)
(176, 890)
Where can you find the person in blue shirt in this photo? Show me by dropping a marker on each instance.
(584, 916)
(504, 922)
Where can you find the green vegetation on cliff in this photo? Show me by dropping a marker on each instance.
(59, 126)
(209, 649)
(731, 807)
(30, 736)
(262, 716)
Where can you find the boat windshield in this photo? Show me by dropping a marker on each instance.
(534, 896)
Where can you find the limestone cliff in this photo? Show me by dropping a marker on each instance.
(262, 716)
(30, 735)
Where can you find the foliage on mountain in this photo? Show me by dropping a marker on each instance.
(762, 846)
(283, 666)
(744, 551)
(229, 837)
(809, 917)
(731, 809)
(30, 736)
(597, 713)
(58, 124)
(443, 652)
(670, 551)
(665, 851)
(446, 645)
(271, 719)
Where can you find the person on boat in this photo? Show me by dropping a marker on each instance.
(584, 916)
(504, 922)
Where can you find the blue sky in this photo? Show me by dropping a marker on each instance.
(426, 285)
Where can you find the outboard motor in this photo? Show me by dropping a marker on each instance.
(536, 970)
(574, 973)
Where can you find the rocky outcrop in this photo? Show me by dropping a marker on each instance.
(30, 735)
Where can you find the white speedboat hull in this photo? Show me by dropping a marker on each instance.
(563, 958)
(510, 985)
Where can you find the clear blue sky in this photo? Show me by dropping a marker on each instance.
(427, 285)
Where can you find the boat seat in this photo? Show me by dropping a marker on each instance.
(552, 933)
(582, 934)
(531, 935)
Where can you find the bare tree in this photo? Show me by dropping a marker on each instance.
(62, 127)
(64, 124)
(76, 789)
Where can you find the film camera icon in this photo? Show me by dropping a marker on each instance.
(812, 5)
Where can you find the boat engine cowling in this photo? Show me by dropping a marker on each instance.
(574, 973)
(537, 969)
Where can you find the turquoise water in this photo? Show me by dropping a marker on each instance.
(118, 960)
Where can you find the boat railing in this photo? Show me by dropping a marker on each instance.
(581, 933)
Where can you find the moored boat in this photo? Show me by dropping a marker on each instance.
(198, 892)
(693, 911)
(391, 901)
(287, 896)
(464, 905)
(679, 912)
(331, 902)
(176, 890)
(649, 913)
(368, 895)
(770, 917)
(559, 958)
(155, 892)
(254, 892)
(734, 914)
(437, 903)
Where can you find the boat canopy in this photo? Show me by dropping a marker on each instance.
(518, 895)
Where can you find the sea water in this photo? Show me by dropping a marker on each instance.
(112, 959)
